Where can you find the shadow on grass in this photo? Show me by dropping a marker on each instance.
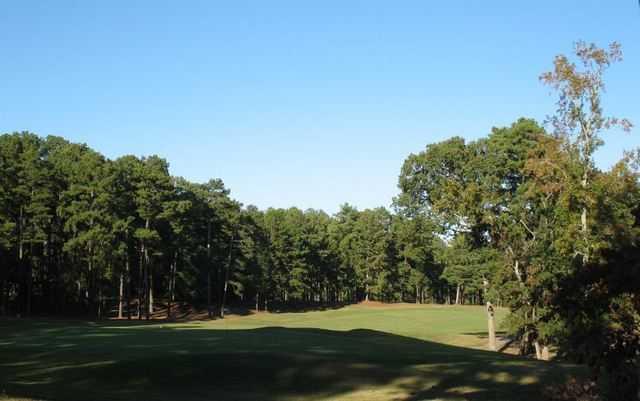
(84, 361)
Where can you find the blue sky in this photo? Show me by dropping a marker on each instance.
(299, 103)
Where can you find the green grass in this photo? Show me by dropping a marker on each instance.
(353, 353)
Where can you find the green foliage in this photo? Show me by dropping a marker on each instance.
(82, 233)
(472, 269)
(600, 309)
(512, 206)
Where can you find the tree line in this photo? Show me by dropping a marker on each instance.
(521, 218)
(82, 234)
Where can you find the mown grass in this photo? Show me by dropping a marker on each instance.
(353, 353)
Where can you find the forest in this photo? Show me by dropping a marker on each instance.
(520, 217)
(86, 235)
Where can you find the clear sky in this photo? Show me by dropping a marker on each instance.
(297, 103)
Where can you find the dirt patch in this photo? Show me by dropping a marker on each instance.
(184, 312)
(378, 304)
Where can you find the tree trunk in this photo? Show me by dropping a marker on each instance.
(542, 351)
(99, 306)
(545, 353)
(172, 283)
(20, 233)
(90, 292)
(147, 277)
(150, 291)
(224, 291)
(491, 323)
(121, 296)
(29, 279)
(29, 289)
(145, 306)
(209, 310)
(46, 285)
(458, 294)
(128, 273)
(209, 306)
(516, 270)
(21, 264)
(366, 288)
(226, 278)
(583, 218)
(536, 344)
(257, 301)
(174, 278)
(141, 281)
(59, 287)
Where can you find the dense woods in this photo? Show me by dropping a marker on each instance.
(84, 234)
(521, 218)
